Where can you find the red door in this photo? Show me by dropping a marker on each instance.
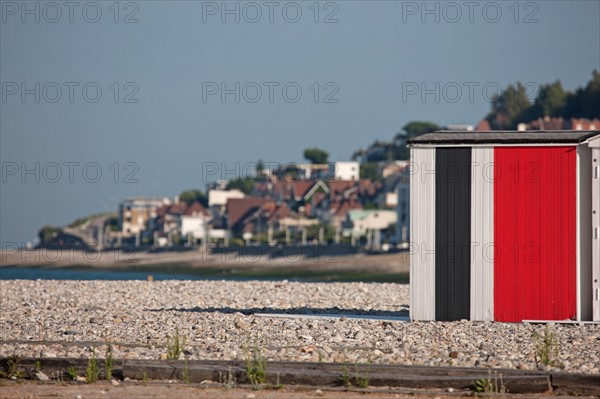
(534, 233)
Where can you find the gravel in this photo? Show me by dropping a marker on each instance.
(217, 320)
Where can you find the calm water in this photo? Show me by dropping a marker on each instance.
(185, 273)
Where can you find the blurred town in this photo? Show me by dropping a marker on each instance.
(362, 203)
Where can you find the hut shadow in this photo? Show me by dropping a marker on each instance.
(335, 311)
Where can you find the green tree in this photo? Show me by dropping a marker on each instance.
(316, 155)
(192, 195)
(112, 223)
(260, 168)
(370, 206)
(551, 100)
(358, 155)
(590, 97)
(244, 184)
(510, 107)
(573, 108)
(417, 128)
(47, 233)
(411, 130)
(380, 151)
(290, 172)
(368, 170)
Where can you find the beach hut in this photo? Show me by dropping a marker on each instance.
(504, 226)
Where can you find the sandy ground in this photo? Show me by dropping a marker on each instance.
(163, 390)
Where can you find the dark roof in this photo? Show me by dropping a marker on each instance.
(504, 137)
(239, 208)
(195, 209)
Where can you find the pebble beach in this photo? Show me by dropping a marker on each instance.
(221, 320)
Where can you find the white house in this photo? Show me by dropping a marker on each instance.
(134, 213)
(403, 208)
(329, 171)
(195, 221)
(219, 198)
(387, 200)
(370, 223)
(389, 168)
(308, 171)
(344, 171)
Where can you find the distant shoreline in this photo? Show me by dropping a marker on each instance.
(196, 260)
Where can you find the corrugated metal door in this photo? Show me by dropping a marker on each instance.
(452, 233)
(535, 233)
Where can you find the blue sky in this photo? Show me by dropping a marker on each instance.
(354, 73)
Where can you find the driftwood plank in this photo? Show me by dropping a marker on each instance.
(327, 374)
(55, 367)
(583, 384)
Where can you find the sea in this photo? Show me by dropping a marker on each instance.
(171, 272)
